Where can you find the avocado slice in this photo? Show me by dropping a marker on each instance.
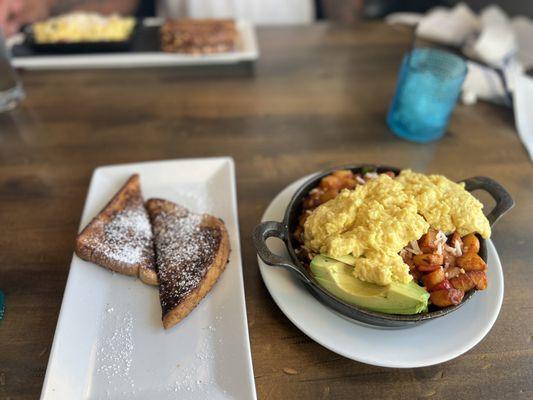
(397, 298)
(347, 259)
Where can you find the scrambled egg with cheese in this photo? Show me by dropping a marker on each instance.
(377, 220)
(83, 27)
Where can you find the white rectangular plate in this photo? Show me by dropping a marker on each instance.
(109, 341)
(247, 50)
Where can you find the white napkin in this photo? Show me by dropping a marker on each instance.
(450, 26)
(482, 82)
(523, 110)
(523, 29)
(495, 43)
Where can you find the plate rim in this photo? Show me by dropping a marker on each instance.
(236, 252)
(288, 191)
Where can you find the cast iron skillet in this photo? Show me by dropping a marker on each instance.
(283, 230)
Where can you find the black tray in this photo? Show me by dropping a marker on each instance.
(31, 48)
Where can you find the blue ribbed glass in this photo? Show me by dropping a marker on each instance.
(428, 86)
(1, 305)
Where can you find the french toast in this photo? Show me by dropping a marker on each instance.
(198, 36)
(191, 251)
(120, 236)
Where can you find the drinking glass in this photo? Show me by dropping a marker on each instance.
(429, 84)
(2, 308)
(11, 91)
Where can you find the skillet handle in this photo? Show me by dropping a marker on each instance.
(504, 201)
(274, 229)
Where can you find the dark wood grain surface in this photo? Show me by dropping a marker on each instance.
(317, 98)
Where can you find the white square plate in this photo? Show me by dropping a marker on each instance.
(109, 341)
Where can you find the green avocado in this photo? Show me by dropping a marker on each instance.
(397, 298)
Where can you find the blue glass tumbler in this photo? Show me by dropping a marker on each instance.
(428, 86)
(1, 306)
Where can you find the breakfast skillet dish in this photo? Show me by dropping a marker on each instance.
(385, 246)
(407, 235)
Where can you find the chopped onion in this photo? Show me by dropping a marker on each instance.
(458, 252)
(441, 237)
(360, 180)
(414, 246)
(449, 249)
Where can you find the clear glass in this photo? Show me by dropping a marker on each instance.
(429, 84)
(11, 90)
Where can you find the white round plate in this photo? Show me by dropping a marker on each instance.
(430, 343)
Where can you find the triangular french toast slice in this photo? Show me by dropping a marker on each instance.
(192, 251)
(120, 236)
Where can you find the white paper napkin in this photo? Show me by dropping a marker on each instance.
(450, 26)
(523, 110)
(495, 43)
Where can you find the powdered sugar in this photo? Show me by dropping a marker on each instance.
(185, 250)
(115, 351)
(195, 377)
(127, 238)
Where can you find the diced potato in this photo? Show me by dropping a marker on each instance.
(445, 284)
(452, 272)
(428, 268)
(328, 195)
(349, 184)
(449, 259)
(428, 259)
(471, 244)
(346, 178)
(471, 262)
(343, 174)
(462, 282)
(331, 182)
(416, 274)
(427, 242)
(446, 298)
(479, 278)
(433, 278)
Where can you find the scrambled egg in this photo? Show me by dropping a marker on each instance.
(83, 27)
(445, 205)
(377, 220)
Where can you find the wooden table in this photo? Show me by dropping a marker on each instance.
(317, 98)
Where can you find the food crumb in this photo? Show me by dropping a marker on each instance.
(438, 376)
(290, 371)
